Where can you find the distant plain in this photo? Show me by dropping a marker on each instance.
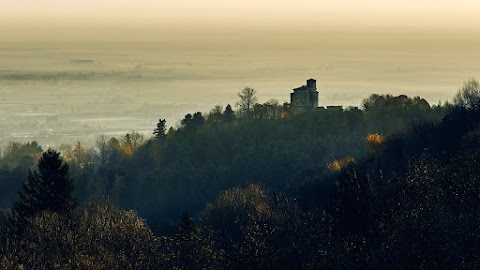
(61, 92)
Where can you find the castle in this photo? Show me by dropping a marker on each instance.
(304, 98)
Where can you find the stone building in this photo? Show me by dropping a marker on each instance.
(304, 98)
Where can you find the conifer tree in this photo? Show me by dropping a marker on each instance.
(228, 114)
(161, 129)
(48, 189)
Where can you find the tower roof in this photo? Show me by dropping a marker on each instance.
(300, 88)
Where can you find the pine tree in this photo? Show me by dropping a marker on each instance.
(48, 189)
(228, 114)
(159, 132)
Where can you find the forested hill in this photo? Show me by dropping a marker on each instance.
(185, 168)
(393, 185)
(413, 202)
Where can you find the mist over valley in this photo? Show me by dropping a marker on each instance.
(64, 92)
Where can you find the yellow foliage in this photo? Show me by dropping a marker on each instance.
(67, 156)
(338, 165)
(375, 139)
(127, 150)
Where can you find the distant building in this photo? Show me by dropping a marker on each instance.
(304, 98)
(335, 108)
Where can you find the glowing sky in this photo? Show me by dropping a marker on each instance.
(47, 14)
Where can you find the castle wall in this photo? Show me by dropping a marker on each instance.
(304, 99)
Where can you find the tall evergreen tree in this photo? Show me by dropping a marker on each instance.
(48, 189)
(228, 114)
(160, 131)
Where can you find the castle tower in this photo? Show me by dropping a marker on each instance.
(312, 84)
(304, 98)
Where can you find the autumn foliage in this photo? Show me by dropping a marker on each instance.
(338, 165)
(375, 140)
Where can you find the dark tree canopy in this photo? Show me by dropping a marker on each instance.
(198, 119)
(187, 120)
(48, 189)
(194, 121)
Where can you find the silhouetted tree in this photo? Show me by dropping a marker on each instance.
(49, 189)
(136, 139)
(247, 99)
(160, 130)
(102, 146)
(215, 114)
(186, 120)
(469, 96)
(228, 114)
(194, 121)
(198, 119)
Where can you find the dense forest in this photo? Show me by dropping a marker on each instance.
(390, 185)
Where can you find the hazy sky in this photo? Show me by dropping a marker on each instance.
(20, 19)
(199, 53)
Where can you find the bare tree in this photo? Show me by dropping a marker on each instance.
(469, 96)
(136, 138)
(247, 99)
(102, 146)
(131, 141)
